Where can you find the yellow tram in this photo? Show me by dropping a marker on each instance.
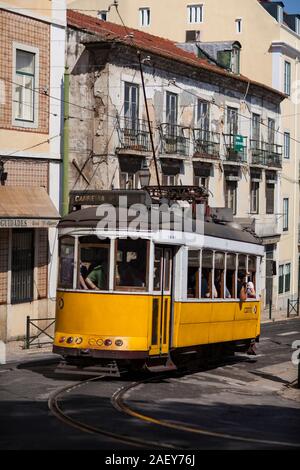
(153, 294)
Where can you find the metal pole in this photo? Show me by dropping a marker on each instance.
(298, 383)
(148, 119)
(270, 310)
(65, 195)
(298, 307)
(288, 308)
(27, 339)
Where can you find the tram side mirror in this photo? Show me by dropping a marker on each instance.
(274, 268)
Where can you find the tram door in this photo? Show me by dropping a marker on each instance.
(161, 307)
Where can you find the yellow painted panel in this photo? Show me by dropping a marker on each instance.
(97, 342)
(244, 329)
(192, 334)
(220, 331)
(247, 311)
(103, 314)
(223, 311)
(195, 312)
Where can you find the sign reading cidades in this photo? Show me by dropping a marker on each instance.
(27, 223)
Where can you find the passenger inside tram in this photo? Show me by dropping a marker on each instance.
(131, 269)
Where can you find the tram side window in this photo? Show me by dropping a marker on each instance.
(206, 274)
(66, 262)
(251, 285)
(193, 274)
(131, 264)
(93, 269)
(219, 276)
(231, 274)
(242, 273)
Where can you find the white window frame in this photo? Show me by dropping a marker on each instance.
(287, 145)
(16, 122)
(239, 25)
(102, 13)
(287, 77)
(145, 17)
(195, 13)
(285, 214)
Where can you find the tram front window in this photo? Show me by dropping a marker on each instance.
(66, 262)
(219, 276)
(131, 264)
(242, 272)
(93, 269)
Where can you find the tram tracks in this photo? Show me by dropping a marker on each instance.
(56, 409)
(119, 401)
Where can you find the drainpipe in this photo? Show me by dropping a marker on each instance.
(65, 182)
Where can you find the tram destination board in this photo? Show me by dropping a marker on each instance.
(95, 198)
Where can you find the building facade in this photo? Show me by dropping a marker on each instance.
(269, 52)
(206, 123)
(31, 80)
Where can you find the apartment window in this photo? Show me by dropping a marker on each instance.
(131, 105)
(254, 197)
(102, 15)
(203, 115)
(171, 108)
(169, 180)
(201, 181)
(230, 195)
(285, 214)
(195, 14)
(129, 180)
(270, 193)
(287, 145)
(238, 25)
(144, 16)
(232, 121)
(271, 131)
(284, 281)
(22, 266)
(25, 82)
(287, 78)
(256, 127)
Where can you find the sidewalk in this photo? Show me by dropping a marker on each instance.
(276, 315)
(15, 352)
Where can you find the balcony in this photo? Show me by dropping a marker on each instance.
(206, 144)
(134, 135)
(269, 155)
(235, 148)
(175, 139)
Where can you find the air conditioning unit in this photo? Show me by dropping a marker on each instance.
(192, 36)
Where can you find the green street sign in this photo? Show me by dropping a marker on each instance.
(238, 143)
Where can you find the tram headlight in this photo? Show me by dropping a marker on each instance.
(92, 341)
(78, 340)
(99, 342)
(119, 342)
(108, 342)
(62, 339)
(70, 340)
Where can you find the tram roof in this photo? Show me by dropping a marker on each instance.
(88, 218)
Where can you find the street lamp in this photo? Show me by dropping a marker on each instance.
(144, 175)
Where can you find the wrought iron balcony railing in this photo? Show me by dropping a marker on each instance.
(175, 139)
(236, 148)
(206, 143)
(266, 154)
(134, 135)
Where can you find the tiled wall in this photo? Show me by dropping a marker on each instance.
(30, 32)
(3, 264)
(27, 173)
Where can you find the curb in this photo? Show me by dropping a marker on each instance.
(273, 320)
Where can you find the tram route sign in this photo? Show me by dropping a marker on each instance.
(95, 198)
